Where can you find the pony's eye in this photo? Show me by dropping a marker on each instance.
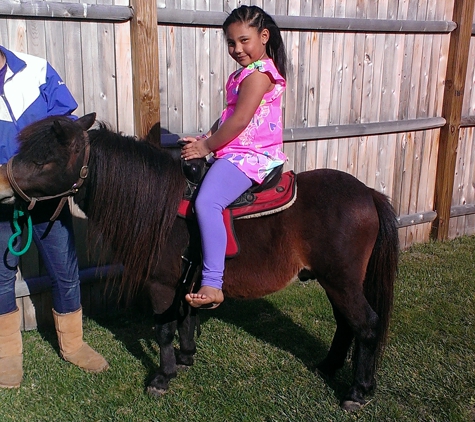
(38, 163)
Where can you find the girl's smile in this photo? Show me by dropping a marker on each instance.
(245, 44)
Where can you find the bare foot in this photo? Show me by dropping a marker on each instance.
(207, 297)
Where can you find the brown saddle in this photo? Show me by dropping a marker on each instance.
(277, 193)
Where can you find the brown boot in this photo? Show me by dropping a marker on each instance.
(71, 345)
(11, 350)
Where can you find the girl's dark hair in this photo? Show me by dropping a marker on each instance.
(255, 17)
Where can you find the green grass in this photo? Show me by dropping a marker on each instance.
(255, 359)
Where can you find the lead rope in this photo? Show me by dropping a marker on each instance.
(17, 214)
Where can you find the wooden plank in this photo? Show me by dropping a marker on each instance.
(346, 84)
(293, 115)
(405, 203)
(105, 82)
(430, 163)
(314, 58)
(191, 73)
(451, 110)
(36, 40)
(174, 72)
(19, 304)
(290, 100)
(124, 78)
(470, 219)
(404, 154)
(28, 314)
(72, 67)
(89, 61)
(303, 84)
(462, 179)
(145, 67)
(426, 151)
(204, 50)
(3, 34)
(217, 78)
(16, 30)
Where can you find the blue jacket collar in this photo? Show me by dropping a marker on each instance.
(13, 62)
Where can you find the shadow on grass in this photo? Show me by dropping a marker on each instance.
(260, 318)
(267, 323)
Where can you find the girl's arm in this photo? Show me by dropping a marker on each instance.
(251, 92)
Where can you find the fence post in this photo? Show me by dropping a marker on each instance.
(144, 39)
(452, 111)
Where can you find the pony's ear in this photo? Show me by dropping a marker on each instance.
(86, 121)
(59, 131)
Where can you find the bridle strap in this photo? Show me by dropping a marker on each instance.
(83, 173)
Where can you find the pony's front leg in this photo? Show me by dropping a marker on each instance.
(186, 332)
(165, 333)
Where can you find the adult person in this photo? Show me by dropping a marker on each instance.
(30, 89)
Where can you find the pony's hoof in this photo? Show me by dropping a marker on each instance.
(182, 367)
(156, 392)
(351, 406)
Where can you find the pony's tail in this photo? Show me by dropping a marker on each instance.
(382, 268)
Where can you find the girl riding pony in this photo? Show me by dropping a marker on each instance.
(246, 141)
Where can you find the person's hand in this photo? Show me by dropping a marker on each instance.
(194, 148)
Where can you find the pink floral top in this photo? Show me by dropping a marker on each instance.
(258, 148)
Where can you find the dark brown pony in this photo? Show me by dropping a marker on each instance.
(338, 231)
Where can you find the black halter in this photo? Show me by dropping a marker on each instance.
(83, 172)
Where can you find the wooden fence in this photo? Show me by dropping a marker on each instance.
(381, 89)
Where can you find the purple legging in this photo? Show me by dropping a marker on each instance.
(223, 184)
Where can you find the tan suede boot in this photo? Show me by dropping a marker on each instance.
(72, 347)
(11, 350)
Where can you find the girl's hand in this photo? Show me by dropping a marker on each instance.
(195, 148)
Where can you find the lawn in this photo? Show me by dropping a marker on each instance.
(256, 359)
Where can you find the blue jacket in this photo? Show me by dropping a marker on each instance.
(33, 90)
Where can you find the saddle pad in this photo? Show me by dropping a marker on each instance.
(271, 200)
(267, 202)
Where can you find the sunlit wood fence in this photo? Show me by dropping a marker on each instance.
(382, 89)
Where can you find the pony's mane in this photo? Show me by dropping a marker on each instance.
(133, 195)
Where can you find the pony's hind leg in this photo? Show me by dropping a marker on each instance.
(353, 312)
(338, 352)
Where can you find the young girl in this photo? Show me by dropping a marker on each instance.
(246, 141)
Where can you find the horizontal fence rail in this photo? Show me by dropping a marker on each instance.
(65, 11)
(362, 129)
(305, 23)
(467, 121)
(166, 16)
(417, 218)
(345, 131)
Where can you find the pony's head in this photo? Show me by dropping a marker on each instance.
(49, 160)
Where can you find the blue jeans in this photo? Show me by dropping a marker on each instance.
(55, 243)
(222, 185)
